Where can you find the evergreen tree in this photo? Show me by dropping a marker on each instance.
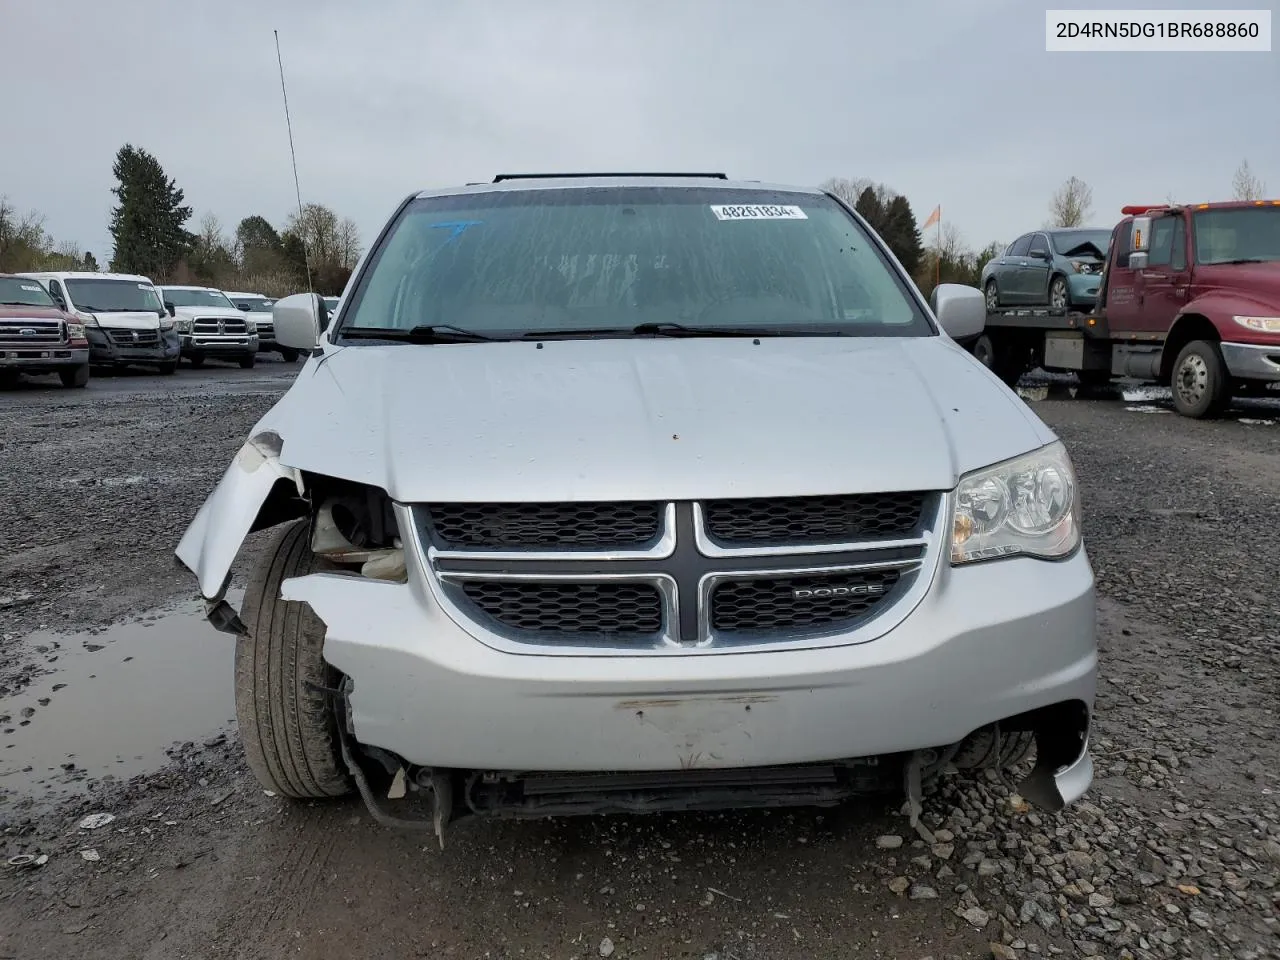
(90, 262)
(147, 224)
(902, 235)
(871, 208)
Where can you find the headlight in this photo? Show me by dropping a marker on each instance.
(75, 331)
(184, 326)
(1029, 505)
(1081, 267)
(250, 326)
(167, 323)
(88, 319)
(1261, 324)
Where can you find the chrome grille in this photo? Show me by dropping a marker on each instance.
(31, 332)
(217, 326)
(548, 526)
(569, 608)
(785, 604)
(658, 577)
(800, 520)
(134, 338)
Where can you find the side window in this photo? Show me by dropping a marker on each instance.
(1039, 245)
(55, 290)
(1121, 242)
(1162, 242)
(1020, 246)
(1178, 259)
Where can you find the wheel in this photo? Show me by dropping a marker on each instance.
(288, 354)
(196, 362)
(997, 357)
(288, 728)
(8, 379)
(167, 369)
(75, 376)
(246, 363)
(992, 293)
(1059, 297)
(1200, 385)
(990, 748)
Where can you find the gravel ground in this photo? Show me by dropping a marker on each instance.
(1174, 853)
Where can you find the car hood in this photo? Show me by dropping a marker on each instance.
(1259, 282)
(127, 319)
(11, 311)
(650, 418)
(225, 313)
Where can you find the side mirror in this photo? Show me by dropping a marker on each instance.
(169, 308)
(961, 310)
(60, 303)
(1138, 261)
(1039, 255)
(242, 307)
(299, 321)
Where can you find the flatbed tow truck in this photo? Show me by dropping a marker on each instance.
(1189, 298)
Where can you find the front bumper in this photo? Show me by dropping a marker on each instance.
(230, 345)
(1251, 361)
(987, 642)
(1083, 288)
(116, 345)
(45, 359)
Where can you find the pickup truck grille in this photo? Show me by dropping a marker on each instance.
(31, 332)
(134, 338)
(658, 577)
(215, 326)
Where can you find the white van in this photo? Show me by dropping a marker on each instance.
(123, 316)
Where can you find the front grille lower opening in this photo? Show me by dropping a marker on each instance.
(849, 518)
(778, 605)
(545, 526)
(568, 610)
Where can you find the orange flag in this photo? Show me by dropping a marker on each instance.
(933, 217)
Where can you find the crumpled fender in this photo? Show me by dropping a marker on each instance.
(211, 543)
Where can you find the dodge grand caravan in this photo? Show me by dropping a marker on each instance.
(634, 493)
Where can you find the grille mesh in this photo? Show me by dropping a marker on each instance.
(548, 526)
(769, 604)
(569, 608)
(800, 520)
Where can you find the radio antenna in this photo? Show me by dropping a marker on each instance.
(302, 228)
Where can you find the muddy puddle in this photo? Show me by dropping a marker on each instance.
(115, 701)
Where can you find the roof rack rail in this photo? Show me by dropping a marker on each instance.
(565, 176)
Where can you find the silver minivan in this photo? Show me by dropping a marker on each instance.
(636, 493)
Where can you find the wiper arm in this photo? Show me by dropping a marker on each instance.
(425, 333)
(672, 329)
(1245, 260)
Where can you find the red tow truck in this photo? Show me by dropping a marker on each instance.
(1190, 298)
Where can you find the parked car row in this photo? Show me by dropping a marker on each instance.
(68, 322)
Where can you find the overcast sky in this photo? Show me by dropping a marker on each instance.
(947, 101)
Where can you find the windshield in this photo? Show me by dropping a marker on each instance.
(509, 263)
(1242, 233)
(20, 292)
(197, 298)
(114, 296)
(1071, 242)
(255, 304)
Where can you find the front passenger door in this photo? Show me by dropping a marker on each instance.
(1034, 274)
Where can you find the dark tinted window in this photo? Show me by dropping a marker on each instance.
(1123, 239)
(1020, 246)
(511, 262)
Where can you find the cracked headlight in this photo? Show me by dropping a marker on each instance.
(1027, 506)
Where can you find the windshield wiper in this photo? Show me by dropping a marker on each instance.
(672, 329)
(1245, 260)
(425, 333)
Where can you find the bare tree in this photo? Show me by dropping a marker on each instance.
(1072, 204)
(1244, 185)
(347, 247)
(846, 189)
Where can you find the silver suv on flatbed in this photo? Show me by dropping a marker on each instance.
(630, 493)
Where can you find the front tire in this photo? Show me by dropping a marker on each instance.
(288, 354)
(992, 295)
(168, 369)
(75, 377)
(997, 357)
(1199, 382)
(247, 362)
(1059, 295)
(289, 729)
(196, 362)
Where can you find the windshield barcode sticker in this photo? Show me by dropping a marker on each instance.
(31, 287)
(758, 211)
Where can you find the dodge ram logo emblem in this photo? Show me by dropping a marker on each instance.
(222, 326)
(857, 590)
(135, 334)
